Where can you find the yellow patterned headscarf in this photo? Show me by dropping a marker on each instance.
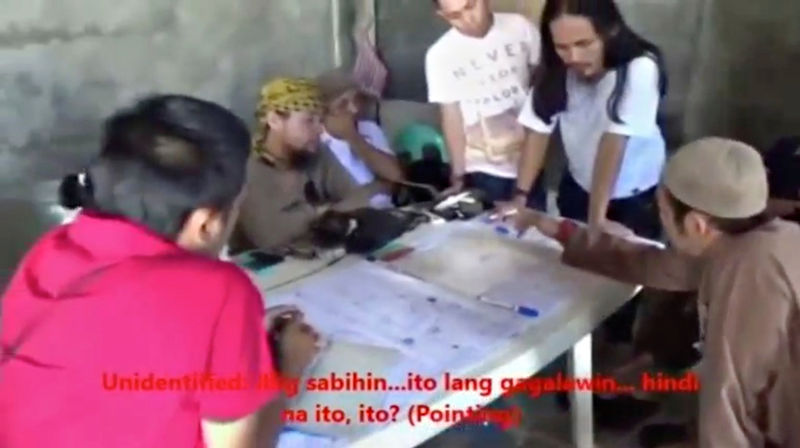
(285, 95)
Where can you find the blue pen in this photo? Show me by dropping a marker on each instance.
(502, 230)
(519, 309)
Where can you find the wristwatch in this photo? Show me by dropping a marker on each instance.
(518, 191)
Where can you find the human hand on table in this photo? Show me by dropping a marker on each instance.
(507, 209)
(298, 344)
(524, 218)
(274, 313)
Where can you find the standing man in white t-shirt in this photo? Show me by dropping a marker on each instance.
(479, 73)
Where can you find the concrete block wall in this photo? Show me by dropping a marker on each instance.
(65, 64)
(745, 84)
(675, 26)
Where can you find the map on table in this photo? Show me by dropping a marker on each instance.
(408, 326)
(362, 302)
(478, 259)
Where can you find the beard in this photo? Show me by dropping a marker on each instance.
(301, 159)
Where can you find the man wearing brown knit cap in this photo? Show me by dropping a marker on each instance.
(292, 178)
(745, 267)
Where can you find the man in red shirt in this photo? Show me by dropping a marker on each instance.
(124, 329)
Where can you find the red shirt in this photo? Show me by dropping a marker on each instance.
(100, 302)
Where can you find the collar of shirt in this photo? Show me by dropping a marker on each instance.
(111, 238)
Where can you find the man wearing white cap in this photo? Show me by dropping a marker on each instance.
(745, 266)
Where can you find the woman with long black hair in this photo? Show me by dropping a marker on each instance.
(602, 84)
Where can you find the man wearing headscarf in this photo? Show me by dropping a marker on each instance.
(745, 268)
(292, 178)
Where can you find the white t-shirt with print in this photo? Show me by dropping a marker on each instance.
(586, 119)
(357, 168)
(489, 77)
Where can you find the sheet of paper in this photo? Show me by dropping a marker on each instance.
(363, 302)
(289, 270)
(296, 439)
(546, 288)
(435, 329)
(343, 361)
(472, 257)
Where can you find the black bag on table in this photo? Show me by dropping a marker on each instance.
(364, 230)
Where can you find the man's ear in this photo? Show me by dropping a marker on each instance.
(274, 120)
(696, 223)
(202, 229)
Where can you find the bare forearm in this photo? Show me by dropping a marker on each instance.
(385, 166)
(532, 160)
(453, 129)
(605, 174)
(456, 147)
(272, 423)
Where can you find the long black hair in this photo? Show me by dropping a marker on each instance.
(160, 160)
(622, 45)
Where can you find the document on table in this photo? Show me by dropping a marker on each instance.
(342, 360)
(296, 439)
(365, 303)
(481, 260)
(391, 325)
(472, 258)
(289, 270)
(545, 288)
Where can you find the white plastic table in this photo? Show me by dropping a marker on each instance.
(568, 331)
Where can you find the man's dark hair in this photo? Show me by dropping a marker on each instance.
(622, 45)
(160, 160)
(736, 226)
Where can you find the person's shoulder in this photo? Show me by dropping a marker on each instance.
(645, 65)
(784, 234)
(513, 21)
(203, 273)
(326, 156)
(769, 251)
(326, 164)
(770, 241)
(442, 47)
(256, 165)
(517, 25)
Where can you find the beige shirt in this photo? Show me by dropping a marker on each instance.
(749, 299)
(277, 209)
